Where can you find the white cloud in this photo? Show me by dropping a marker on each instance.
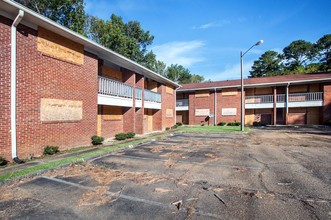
(232, 72)
(185, 53)
(213, 24)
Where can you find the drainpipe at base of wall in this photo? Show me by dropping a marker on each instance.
(215, 106)
(13, 87)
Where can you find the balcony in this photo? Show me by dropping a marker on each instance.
(311, 99)
(181, 104)
(152, 99)
(112, 92)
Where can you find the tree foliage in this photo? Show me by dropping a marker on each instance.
(269, 64)
(69, 13)
(298, 58)
(182, 75)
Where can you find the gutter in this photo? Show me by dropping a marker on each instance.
(13, 86)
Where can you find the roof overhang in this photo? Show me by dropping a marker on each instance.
(255, 85)
(11, 9)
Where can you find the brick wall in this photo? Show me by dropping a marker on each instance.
(139, 112)
(327, 103)
(129, 78)
(228, 101)
(5, 141)
(168, 102)
(40, 76)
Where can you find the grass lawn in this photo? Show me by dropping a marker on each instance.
(211, 128)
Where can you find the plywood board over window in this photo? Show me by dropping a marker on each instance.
(60, 110)
(112, 113)
(202, 93)
(111, 73)
(169, 113)
(169, 89)
(229, 92)
(202, 112)
(59, 47)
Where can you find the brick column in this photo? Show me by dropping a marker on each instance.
(139, 112)
(129, 77)
(326, 103)
(158, 121)
(275, 106)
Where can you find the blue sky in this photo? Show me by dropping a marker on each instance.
(206, 36)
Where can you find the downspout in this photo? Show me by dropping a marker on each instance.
(176, 105)
(215, 104)
(13, 87)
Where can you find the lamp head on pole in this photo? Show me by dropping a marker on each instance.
(259, 42)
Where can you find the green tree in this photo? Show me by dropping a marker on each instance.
(182, 75)
(160, 68)
(69, 13)
(323, 46)
(269, 64)
(299, 53)
(127, 39)
(178, 73)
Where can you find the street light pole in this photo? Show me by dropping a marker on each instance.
(242, 112)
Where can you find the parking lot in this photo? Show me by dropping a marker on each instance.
(262, 174)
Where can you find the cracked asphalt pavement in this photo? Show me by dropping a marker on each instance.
(264, 174)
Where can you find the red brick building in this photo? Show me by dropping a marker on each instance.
(282, 100)
(59, 88)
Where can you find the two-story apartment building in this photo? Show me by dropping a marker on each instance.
(59, 88)
(279, 100)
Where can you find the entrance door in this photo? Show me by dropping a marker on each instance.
(280, 117)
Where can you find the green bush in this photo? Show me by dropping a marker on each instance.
(50, 150)
(175, 126)
(2, 161)
(179, 123)
(233, 123)
(222, 123)
(120, 136)
(130, 135)
(96, 140)
(167, 128)
(202, 124)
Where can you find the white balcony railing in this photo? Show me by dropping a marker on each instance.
(181, 102)
(152, 96)
(281, 98)
(139, 93)
(114, 88)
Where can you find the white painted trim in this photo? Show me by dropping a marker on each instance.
(182, 108)
(114, 101)
(282, 105)
(139, 103)
(152, 105)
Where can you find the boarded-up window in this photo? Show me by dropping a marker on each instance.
(169, 89)
(202, 93)
(298, 88)
(59, 47)
(112, 113)
(202, 112)
(111, 73)
(169, 113)
(228, 92)
(229, 111)
(264, 91)
(60, 110)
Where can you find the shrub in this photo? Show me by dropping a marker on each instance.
(50, 150)
(130, 135)
(96, 140)
(179, 123)
(2, 161)
(175, 126)
(222, 123)
(167, 128)
(202, 124)
(120, 136)
(233, 123)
